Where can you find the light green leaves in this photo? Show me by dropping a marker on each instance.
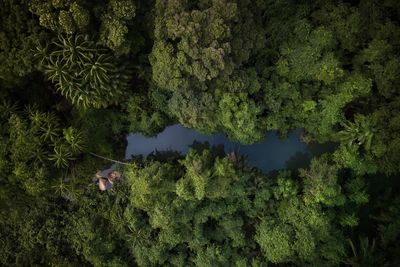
(239, 116)
(309, 105)
(321, 183)
(74, 138)
(198, 173)
(62, 188)
(37, 137)
(80, 15)
(61, 156)
(61, 16)
(274, 242)
(114, 27)
(285, 187)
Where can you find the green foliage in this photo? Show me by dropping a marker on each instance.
(239, 117)
(320, 184)
(61, 156)
(34, 138)
(296, 232)
(358, 133)
(285, 187)
(207, 204)
(357, 191)
(201, 59)
(82, 71)
(74, 138)
(144, 117)
(194, 110)
(114, 28)
(177, 209)
(61, 16)
(205, 43)
(31, 234)
(274, 242)
(19, 32)
(378, 60)
(238, 67)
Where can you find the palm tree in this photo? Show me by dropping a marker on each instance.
(61, 188)
(58, 72)
(50, 129)
(43, 54)
(61, 156)
(40, 155)
(75, 49)
(75, 139)
(363, 255)
(99, 71)
(7, 108)
(357, 133)
(83, 71)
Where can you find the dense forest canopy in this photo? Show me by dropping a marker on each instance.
(76, 76)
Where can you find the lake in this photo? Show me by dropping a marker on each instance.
(272, 153)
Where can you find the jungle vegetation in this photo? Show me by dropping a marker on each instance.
(76, 76)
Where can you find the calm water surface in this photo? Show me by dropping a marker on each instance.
(271, 154)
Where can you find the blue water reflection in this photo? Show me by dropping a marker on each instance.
(270, 154)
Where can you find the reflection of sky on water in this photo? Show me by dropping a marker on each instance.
(268, 155)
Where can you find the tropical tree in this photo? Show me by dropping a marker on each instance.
(50, 128)
(75, 139)
(20, 31)
(363, 253)
(357, 133)
(61, 16)
(61, 156)
(82, 71)
(114, 27)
